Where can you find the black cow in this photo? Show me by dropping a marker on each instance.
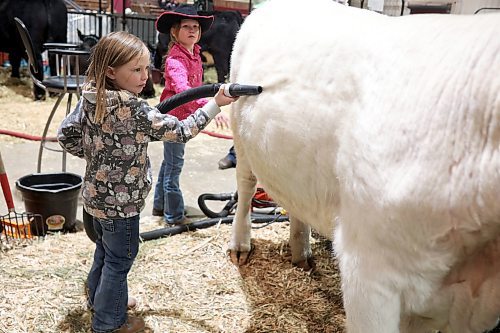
(218, 41)
(46, 21)
(87, 42)
(161, 50)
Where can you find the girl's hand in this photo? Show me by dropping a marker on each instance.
(221, 99)
(221, 120)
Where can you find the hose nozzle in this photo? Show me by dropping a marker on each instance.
(235, 90)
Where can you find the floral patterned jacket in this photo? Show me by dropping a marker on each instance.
(118, 172)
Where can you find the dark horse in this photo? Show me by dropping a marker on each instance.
(46, 21)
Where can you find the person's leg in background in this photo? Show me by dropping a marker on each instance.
(159, 195)
(229, 161)
(173, 202)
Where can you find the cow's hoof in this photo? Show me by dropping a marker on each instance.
(240, 258)
(307, 265)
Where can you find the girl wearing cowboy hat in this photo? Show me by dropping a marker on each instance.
(183, 70)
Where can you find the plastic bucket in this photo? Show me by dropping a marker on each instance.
(54, 196)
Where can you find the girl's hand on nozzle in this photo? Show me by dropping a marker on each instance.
(221, 99)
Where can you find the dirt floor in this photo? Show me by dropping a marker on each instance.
(183, 283)
(19, 112)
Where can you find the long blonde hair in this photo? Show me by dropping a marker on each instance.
(113, 50)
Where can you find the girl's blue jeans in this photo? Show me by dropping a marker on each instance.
(116, 247)
(168, 195)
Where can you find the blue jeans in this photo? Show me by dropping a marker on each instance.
(168, 196)
(116, 247)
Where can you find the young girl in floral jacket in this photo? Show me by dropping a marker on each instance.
(111, 128)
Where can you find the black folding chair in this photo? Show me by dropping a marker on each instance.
(61, 84)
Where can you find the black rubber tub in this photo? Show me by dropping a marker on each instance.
(54, 196)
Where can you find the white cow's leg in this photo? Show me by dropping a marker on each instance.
(369, 306)
(372, 304)
(299, 244)
(240, 246)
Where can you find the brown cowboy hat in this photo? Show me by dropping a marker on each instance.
(167, 19)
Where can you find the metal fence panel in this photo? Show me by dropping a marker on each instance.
(99, 24)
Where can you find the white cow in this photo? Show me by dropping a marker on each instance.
(388, 128)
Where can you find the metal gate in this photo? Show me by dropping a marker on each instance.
(100, 24)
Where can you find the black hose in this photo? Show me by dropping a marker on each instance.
(175, 230)
(208, 90)
(228, 208)
(205, 223)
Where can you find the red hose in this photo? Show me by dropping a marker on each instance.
(52, 139)
(26, 136)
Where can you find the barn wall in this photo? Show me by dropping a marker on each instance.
(463, 6)
(470, 6)
(393, 7)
